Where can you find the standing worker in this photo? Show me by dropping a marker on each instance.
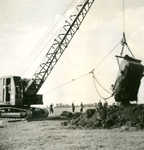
(81, 107)
(105, 105)
(99, 105)
(51, 108)
(73, 107)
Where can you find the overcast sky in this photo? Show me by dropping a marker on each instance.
(24, 22)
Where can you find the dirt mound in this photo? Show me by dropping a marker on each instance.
(68, 115)
(111, 117)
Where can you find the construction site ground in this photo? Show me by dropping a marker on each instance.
(54, 135)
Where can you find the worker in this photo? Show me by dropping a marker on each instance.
(105, 105)
(99, 105)
(81, 107)
(51, 108)
(73, 107)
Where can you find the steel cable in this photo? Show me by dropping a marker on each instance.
(43, 38)
(98, 91)
(83, 75)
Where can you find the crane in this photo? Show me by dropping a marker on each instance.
(17, 94)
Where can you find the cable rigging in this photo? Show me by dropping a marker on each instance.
(123, 41)
(95, 79)
(105, 98)
(44, 38)
(67, 83)
(50, 32)
(99, 83)
(91, 72)
(107, 55)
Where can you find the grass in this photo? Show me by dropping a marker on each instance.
(50, 135)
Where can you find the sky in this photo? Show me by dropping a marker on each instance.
(23, 23)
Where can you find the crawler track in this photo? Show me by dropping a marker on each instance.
(12, 119)
(13, 114)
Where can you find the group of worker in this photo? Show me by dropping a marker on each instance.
(99, 106)
(73, 108)
(81, 107)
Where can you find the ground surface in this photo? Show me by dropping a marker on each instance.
(51, 135)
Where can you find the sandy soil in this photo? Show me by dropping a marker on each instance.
(51, 135)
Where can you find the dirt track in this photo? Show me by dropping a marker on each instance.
(50, 135)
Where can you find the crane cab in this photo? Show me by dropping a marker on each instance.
(11, 91)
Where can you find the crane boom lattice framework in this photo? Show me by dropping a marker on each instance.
(58, 47)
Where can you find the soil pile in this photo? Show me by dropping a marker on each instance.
(111, 117)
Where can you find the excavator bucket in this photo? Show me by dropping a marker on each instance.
(128, 80)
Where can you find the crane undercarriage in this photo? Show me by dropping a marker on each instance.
(17, 113)
(14, 101)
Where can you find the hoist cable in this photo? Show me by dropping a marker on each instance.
(48, 32)
(100, 84)
(34, 58)
(53, 27)
(123, 41)
(123, 16)
(107, 56)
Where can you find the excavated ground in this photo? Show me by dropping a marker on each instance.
(111, 117)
